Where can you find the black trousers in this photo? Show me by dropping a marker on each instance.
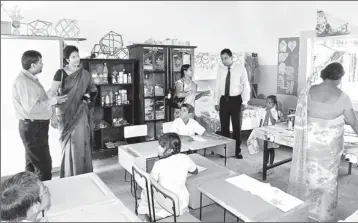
(34, 135)
(231, 107)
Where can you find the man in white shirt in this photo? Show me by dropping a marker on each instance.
(232, 92)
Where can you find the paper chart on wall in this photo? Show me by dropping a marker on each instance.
(271, 195)
(288, 62)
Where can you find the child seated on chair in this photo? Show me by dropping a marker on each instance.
(170, 171)
(270, 116)
(187, 127)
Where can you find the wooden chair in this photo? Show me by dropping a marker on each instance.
(141, 179)
(170, 202)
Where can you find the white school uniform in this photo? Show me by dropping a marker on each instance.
(171, 173)
(253, 144)
(274, 114)
(189, 129)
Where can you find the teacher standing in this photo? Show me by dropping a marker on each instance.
(232, 92)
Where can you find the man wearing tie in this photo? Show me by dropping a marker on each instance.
(232, 92)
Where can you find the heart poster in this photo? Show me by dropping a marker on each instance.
(287, 68)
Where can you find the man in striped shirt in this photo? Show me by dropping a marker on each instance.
(34, 109)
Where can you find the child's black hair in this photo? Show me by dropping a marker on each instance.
(274, 99)
(189, 107)
(171, 143)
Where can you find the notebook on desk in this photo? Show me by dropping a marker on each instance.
(200, 169)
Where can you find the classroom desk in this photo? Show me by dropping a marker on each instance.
(352, 218)
(78, 196)
(148, 150)
(213, 171)
(246, 206)
(208, 143)
(281, 135)
(114, 211)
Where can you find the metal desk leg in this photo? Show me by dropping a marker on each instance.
(350, 168)
(201, 205)
(225, 153)
(264, 165)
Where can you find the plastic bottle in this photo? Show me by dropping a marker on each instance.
(129, 78)
(125, 77)
(110, 96)
(120, 77)
(105, 74)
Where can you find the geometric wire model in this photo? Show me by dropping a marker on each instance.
(67, 28)
(39, 28)
(110, 47)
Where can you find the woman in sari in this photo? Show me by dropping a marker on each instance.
(322, 110)
(73, 118)
(186, 88)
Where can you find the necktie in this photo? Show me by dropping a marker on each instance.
(227, 84)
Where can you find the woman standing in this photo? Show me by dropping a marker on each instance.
(73, 118)
(321, 113)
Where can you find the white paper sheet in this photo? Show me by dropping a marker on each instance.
(200, 169)
(351, 139)
(199, 139)
(186, 59)
(270, 194)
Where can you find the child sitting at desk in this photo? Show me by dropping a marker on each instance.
(270, 116)
(187, 127)
(170, 171)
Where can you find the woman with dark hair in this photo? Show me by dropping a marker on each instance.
(186, 88)
(73, 118)
(321, 113)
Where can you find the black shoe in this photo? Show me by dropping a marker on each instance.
(239, 156)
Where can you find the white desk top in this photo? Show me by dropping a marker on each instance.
(210, 142)
(247, 207)
(149, 149)
(77, 191)
(114, 211)
(353, 217)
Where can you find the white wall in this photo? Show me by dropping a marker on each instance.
(205, 24)
(262, 23)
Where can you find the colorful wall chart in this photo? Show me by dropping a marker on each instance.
(288, 61)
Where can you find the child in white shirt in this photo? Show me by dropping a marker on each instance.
(270, 116)
(187, 127)
(170, 171)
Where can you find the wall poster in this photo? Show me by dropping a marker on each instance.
(288, 62)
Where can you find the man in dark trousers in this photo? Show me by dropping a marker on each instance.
(34, 109)
(232, 92)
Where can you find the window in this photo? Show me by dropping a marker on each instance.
(342, 49)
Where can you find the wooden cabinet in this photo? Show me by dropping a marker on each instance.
(115, 102)
(158, 69)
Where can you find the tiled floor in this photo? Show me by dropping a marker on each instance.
(113, 175)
